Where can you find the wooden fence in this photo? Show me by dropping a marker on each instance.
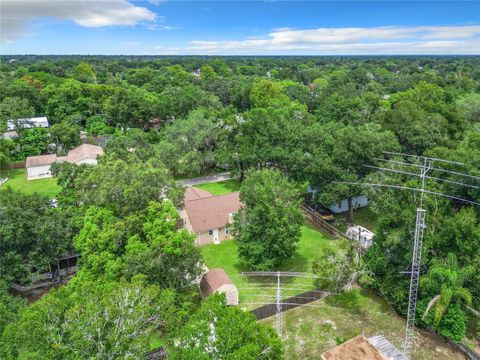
(16, 165)
(315, 219)
(268, 310)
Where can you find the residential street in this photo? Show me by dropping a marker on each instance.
(205, 179)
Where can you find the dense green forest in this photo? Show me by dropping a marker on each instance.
(317, 120)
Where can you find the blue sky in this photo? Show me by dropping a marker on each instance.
(159, 27)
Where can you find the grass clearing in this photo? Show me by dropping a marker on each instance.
(363, 216)
(17, 180)
(221, 187)
(312, 330)
(225, 255)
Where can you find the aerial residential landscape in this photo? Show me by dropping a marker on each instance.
(239, 180)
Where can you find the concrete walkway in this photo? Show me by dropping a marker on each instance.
(205, 179)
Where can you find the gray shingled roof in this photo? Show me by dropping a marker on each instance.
(386, 348)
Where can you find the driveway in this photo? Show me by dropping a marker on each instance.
(205, 179)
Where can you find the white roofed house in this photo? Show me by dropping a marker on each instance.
(28, 123)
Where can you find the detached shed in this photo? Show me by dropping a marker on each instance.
(362, 234)
(217, 281)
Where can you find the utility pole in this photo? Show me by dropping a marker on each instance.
(420, 226)
(278, 299)
(278, 318)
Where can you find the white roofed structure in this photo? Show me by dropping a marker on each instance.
(28, 123)
(362, 234)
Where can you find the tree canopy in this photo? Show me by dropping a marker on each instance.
(267, 227)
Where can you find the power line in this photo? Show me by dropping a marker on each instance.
(283, 288)
(419, 222)
(432, 169)
(419, 175)
(278, 273)
(299, 304)
(409, 188)
(279, 295)
(424, 158)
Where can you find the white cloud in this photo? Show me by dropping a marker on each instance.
(130, 43)
(17, 14)
(156, 2)
(462, 39)
(162, 27)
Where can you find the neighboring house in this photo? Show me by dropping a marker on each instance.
(342, 206)
(38, 167)
(28, 123)
(217, 281)
(209, 216)
(84, 154)
(359, 347)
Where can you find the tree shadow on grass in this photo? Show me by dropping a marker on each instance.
(231, 185)
(298, 263)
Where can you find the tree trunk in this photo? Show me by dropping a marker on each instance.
(242, 171)
(350, 211)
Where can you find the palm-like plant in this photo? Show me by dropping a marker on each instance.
(446, 279)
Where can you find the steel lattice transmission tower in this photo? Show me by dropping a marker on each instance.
(416, 263)
(420, 223)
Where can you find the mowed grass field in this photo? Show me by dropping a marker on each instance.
(311, 330)
(221, 187)
(17, 180)
(259, 289)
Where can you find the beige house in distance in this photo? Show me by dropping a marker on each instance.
(208, 216)
(38, 167)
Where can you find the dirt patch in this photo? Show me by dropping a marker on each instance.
(354, 349)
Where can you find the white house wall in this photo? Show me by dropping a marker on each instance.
(38, 172)
(357, 202)
(89, 161)
(342, 206)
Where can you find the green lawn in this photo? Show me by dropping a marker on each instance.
(312, 330)
(363, 216)
(225, 255)
(17, 179)
(221, 187)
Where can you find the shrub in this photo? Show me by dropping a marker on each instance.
(453, 324)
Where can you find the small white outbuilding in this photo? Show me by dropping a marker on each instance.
(217, 281)
(362, 234)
